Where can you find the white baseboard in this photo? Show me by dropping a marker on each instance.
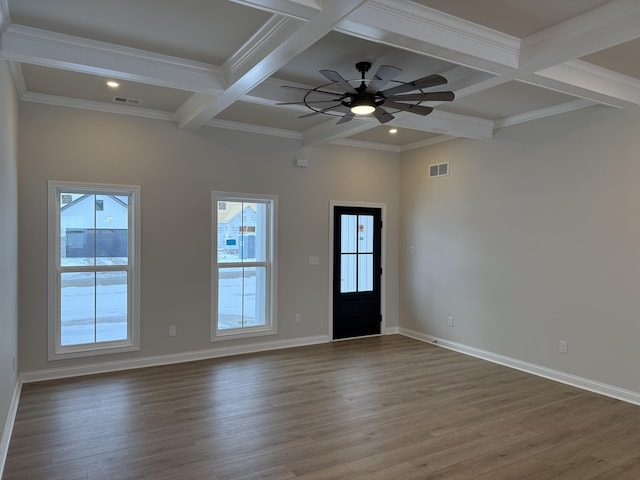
(8, 425)
(391, 331)
(573, 380)
(65, 372)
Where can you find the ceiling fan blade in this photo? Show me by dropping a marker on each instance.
(384, 75)
(347, 117)
(316, 112)
(382, 115)
(425, 82)
(424, 97)
(336, 78)
(419, 109)
(333, 100)
(311, 90)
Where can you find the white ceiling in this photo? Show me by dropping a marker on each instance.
(222, 63)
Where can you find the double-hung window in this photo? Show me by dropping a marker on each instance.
(244, 273)
(93, 269)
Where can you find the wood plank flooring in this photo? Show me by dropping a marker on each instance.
(380, 408)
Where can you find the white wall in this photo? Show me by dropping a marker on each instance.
(177, 170)
(8, 242)
(533, 238)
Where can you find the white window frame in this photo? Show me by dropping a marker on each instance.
(132, 342)
(270, 328)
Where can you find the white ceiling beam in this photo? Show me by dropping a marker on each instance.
(410, 26)
(603, 27)
(446, 123)
(271, 54)
(586, 80)
(300, 9)
(55, 50)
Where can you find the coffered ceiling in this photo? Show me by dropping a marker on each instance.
(222, 63)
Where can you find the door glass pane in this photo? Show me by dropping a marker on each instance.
(348, 273)
(230, 289)
(365, 233)
(365, 272)
(111, 306)
(77, 308)
(349, 233)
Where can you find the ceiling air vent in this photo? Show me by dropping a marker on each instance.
(127, 101)
(439, 170)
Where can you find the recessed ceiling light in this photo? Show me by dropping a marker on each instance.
(113, 84)
(393, 131)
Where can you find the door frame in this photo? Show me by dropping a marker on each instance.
(383, 277)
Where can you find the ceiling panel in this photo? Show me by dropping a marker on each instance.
(505, 100)
(340, 52)
(622, 58)
(205, 31)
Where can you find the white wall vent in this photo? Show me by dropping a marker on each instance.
(439, 169)
(127, 101)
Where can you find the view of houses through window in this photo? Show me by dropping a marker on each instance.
(243, 264)
(92, 268)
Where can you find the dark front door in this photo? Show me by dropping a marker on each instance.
(357, 270)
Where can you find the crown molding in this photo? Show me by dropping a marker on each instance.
(543, 113)
(51, 49)
(97, 106)
(368, 145)
(250, 128)
(18, 78)
(428, 142)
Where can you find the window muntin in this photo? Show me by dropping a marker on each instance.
(244, 267)
(93, 287)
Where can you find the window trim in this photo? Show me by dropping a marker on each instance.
(271, 263)
(55, 350)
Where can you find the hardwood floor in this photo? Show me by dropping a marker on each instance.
(381, 408)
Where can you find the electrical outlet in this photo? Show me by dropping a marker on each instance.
(298, 318)
(563, 347)
(172, 330)
(450, 321)
(411, 250)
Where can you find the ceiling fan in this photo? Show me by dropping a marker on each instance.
(368, 98)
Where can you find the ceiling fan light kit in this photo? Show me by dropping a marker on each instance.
(367, 98)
